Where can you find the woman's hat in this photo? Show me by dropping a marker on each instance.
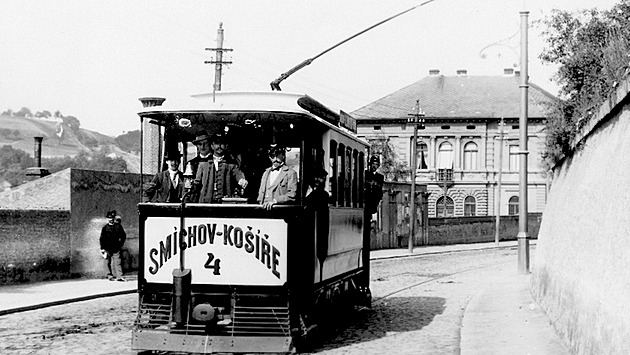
(111, 214)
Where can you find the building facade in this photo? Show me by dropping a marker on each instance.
(468, 150)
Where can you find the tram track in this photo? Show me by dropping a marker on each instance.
(437, 277)
(405, 288)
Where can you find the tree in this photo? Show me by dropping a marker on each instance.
(129, 142)
(24, 112)
(391, 167)
(591, 50)
(72, 122)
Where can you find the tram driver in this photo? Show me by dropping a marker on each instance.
(278, 184)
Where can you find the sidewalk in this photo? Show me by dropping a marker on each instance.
(17, 298)
(501, 319)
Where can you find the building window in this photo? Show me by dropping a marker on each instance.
(514, 157)
(470, 156)
(439, 207)
(423, 155)
(445, 156)
(513, 205)
(469, 206)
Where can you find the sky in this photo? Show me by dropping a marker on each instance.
(94, 59)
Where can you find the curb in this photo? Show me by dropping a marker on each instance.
(65, 301)
(401, 256)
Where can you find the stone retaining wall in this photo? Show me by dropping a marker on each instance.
(581, 275)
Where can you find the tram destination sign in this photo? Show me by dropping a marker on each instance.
(347, 121)
(224, 251)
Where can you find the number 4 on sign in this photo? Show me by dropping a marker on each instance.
(214, 264)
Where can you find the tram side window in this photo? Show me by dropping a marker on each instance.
(332, 179)
(348, 182)
(355, 178)
(341, 178)
(361, 173)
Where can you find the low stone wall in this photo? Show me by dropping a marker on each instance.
(582, 268)
(93, 194)
(462, 230)
(35, 245)
(43, 244)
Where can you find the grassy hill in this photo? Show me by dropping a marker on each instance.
(18, 132)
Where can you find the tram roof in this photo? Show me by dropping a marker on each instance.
(267, 101)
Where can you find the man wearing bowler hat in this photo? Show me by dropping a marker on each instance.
(220, 176)
(168, 185)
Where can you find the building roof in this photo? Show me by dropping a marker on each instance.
(51, 192)
(460, 96)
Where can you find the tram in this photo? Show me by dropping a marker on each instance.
(233, 276)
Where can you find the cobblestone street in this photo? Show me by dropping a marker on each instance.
(418, 306)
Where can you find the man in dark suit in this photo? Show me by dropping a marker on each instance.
(220, 176)
(373, 185)
(278, 184)
(168, 185)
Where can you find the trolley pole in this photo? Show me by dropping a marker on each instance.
(219, 62)
(415, 119)
(523, 242)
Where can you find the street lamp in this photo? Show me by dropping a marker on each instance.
(523, 242)
(416, 119)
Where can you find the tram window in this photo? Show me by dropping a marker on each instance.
(361, 173)
(348, 182)
(355, 178)
(341, 174)
(332, 179)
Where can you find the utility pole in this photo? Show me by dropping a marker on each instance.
(416, 119)
(523, 242)
(498, 202)
(219, 62)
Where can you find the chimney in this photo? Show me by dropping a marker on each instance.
(38, 151)
(462, 72)
(152, 101)
(434, 72)
(37, 170)
(508, 71)
(517, 73)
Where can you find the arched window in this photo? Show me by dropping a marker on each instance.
(469, 206)
(439, 207)
(470, 156)
(423, 156)
(513, 205)
(445, 156)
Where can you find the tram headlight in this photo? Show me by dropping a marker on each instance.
(183, 122)
(203, 312)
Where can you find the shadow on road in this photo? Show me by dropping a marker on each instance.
(387, 317)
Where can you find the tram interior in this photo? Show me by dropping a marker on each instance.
(249, 135)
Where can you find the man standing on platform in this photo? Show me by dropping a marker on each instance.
(220, 176)
(278, 184)
(373, 185)
(168, 185)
